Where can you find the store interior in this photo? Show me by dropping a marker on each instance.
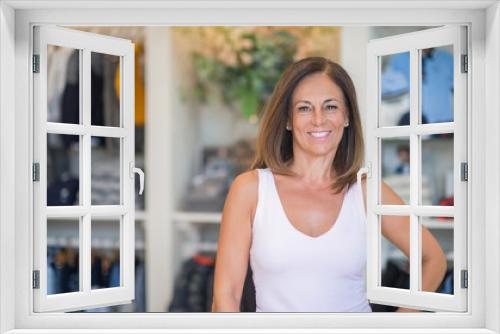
(198, 96)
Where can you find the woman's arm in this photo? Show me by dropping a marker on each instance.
(234, 243)
(397, 230)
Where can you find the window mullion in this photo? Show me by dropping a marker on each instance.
(415, 264)
(85, 105)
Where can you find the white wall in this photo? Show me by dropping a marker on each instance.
(353, 58)
(159, 152)
(492, 198)
(7, 175)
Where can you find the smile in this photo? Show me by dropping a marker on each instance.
(319, 134)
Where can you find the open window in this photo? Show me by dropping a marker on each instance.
(404, 73)
(68, 211)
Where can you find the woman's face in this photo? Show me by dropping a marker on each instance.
(318, 115)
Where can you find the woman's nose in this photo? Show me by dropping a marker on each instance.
(318, 117)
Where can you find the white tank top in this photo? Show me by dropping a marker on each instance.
(294, 272)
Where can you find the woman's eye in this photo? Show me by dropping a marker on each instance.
(331, 107)
(303, 108)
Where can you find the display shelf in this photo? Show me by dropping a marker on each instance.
(423, 137)
(183, 217)
(188, 217)
(396, 254)
(438, 224)
(141, 215)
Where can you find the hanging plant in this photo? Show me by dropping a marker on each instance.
(241, 65)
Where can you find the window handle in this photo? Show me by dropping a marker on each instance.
(363, 170)
(139, 171)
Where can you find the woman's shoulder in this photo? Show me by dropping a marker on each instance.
(247, 181)
(243, 193)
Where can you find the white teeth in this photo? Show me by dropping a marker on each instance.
(319, 134)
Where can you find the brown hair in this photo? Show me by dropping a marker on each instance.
(274, 143)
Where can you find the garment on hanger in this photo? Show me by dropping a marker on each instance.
(437, 82)
(192, 285)
(71, 94)
(57, 62)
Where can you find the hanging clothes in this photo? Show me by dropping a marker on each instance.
(57, 62)
(192, 284)
(70, 103)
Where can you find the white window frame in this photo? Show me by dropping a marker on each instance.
(16, 19)
(412, 43)
(87, 214)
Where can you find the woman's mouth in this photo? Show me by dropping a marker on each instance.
(320, 134)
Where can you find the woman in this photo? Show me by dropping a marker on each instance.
(297, 215)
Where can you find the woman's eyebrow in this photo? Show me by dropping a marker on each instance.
(327, 100)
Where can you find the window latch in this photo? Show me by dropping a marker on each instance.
(365, 170)
(139, 171)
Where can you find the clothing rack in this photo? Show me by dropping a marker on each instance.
(97, 243)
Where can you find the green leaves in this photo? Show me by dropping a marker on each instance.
(246, 75)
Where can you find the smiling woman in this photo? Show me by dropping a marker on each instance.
(298, 211)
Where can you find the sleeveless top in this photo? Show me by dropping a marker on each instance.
(294, 272)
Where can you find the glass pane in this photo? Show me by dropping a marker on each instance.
(437, 231)
(105, 88)
(105, 252)
(63, 255)
(395, 265)
(394, 89)
(63, 169)
(437, 169)
(105, 171)
(437, 84)
(395, 166)
(63, 85)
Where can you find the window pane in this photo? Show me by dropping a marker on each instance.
(63, 252)
(105, 89)
(106, 171)
(63, 85)
(395, 166)
(395, 265)
(63, 169)
(437, 169)
(437, 85)
(394, 89)
(105, 252)
(441, 229)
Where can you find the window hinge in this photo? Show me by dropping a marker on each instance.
(465, 279)
(36, 279)
(464, 171)
(465, 65)
(36, 63)
(36, 171)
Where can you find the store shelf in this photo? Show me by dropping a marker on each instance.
(141, 215)
(424, 138)
(438, 224)
(186, 217)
